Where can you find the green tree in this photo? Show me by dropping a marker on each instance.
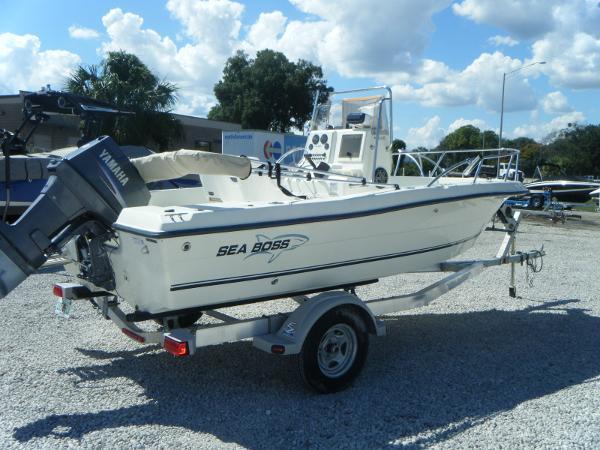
(398, 144)
(123, 80)
(489, 139)
(268, 92)
(530, 153)
(465, 137)
(576, 150)
(469, 137)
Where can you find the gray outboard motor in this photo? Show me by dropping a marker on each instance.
(83, 197)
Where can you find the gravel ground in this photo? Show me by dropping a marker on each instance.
(475, 369)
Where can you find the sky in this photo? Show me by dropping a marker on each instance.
(443, 59)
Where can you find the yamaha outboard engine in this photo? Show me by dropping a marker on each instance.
(83, 197)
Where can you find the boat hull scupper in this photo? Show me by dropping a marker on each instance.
(208, 256)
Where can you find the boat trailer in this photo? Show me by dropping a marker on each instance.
(328, 331)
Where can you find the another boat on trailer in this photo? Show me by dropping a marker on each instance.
(258, 231)
(570, 191)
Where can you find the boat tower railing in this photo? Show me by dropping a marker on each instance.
(473, 166)
(508, 157)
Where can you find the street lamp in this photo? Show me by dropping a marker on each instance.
(503, 84)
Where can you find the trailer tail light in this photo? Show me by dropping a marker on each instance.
(134, 336)
(176, 347)
(278, 349)
(57, 290)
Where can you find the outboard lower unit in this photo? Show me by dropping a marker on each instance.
(84, 196)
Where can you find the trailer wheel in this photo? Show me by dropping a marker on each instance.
(335, 350)
(537, 202)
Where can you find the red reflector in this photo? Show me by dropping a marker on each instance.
(132, 335)
(278, 349)
(57, 290)
(175, 347)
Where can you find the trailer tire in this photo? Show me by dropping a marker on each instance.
(334, 351)
(537, 202)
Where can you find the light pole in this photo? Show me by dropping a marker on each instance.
(502, 105)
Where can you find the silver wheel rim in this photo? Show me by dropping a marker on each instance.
(337, 350)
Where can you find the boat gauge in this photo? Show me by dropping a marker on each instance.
(315, 139)
(323, 139)
(310, 146)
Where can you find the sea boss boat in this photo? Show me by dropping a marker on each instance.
(249, 232)
(256, 231)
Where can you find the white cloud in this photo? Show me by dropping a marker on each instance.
(380, 40)
(77, 32)
(214, 26)
(572, 60)
(24, 66)
(194, 67)
(267, 30)
(126, 33)
(391, 39)
(432, 132)
(429, 135)
(499, 41)
(479, 84)
(572, 48)
(478, 123)
(565, 34)
(522, 18)
(273, 30)
(555, 102)
(539, 131)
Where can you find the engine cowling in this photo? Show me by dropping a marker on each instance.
(85, 194)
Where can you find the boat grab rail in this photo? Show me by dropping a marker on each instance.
(468, 162)
(476, 162)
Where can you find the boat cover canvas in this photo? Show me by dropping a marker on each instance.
(169, 165)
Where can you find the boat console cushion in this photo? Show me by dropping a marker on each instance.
(169, 165)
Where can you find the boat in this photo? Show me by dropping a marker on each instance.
(253, 231)
(28, 171)
(570, 191)
(28, 177)
(564, 189)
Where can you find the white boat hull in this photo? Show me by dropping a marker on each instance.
(176, 267)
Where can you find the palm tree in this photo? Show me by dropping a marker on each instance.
(123, 80)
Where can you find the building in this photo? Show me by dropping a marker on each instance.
(203, 134)
(63, 130)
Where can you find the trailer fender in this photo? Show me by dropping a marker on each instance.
(291, 335)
